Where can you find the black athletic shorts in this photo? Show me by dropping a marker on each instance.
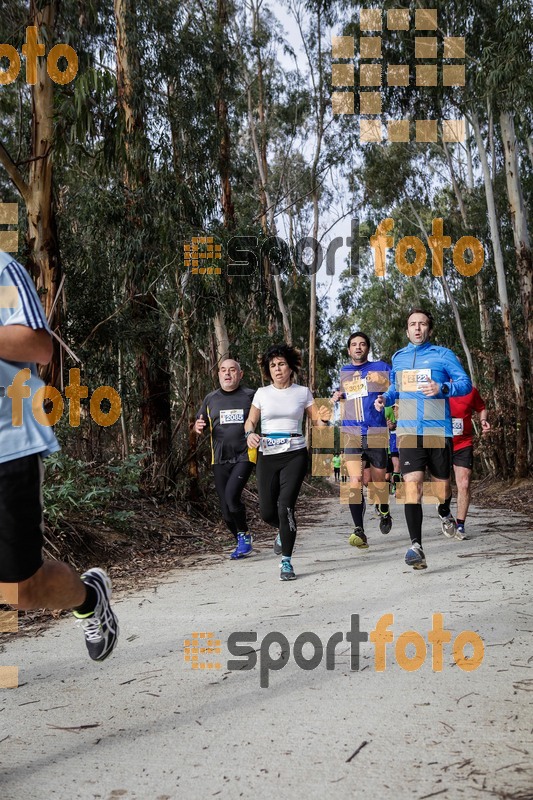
(464, 457)
(21, 518)
(437, 459)
(375, 456)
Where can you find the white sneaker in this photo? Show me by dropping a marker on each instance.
(448, 525)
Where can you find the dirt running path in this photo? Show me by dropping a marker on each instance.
(145, 725)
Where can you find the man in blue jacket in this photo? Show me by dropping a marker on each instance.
(424, 377)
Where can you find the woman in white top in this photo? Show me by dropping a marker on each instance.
(282, 457)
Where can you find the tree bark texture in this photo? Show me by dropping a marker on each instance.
(510, 340)
(522, 241)
(151, 357)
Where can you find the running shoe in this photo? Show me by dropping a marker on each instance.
(415, 557)
(101, 625)
(448, 525)
(358, 539)
(244, 546)
(385, 522)
(460, 532)
(277, 545)
(286, 570)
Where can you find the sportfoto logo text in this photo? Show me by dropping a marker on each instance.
(245, 253)
(201, 647)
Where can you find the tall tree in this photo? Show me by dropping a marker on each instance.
(150, 342)
(36, 186)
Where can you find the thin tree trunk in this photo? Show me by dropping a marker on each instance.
(151, 357)
(221, 109)
(267, 219)
(44, 257)
(451, 300)
(510, 341)
(221, 336)
(522, 241)
(320, 111)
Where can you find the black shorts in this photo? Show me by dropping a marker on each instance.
(464, 457)
(370, 456)
(437, 459)
(21, 518)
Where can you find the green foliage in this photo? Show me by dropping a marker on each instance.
(73, 487)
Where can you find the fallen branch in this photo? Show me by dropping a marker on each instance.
(363, 744)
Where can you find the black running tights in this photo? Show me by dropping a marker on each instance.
(279, 480)
(230, 480)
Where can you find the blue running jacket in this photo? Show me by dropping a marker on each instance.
(411, 368)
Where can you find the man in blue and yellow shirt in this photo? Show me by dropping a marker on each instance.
(364, 432)
(26, 580)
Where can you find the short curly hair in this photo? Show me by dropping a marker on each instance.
(291, 355)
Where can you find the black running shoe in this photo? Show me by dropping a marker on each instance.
(385, 523)
(101, 626)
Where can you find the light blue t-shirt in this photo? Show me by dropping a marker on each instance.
(20, 305)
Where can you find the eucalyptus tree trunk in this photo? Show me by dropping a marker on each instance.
(267, 206)
(320, 110)
(151, 355)
(510, 340)
(522, 241)
(37, 189)
(221, 336)
(449, 296)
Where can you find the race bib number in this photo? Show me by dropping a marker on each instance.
(230, 416)
(273, 444)
(414, 379)
(458, 426)
(356, 388)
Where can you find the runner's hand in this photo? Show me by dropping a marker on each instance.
(200, 424)
(336, 396)
(379, 403)
(485, 426)
(323, 413)
(431, 388)
(253, 440)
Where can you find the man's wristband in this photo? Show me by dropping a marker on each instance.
(248, 433)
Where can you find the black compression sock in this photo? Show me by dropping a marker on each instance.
(90, 603)
(413, 517)
(444, 508)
